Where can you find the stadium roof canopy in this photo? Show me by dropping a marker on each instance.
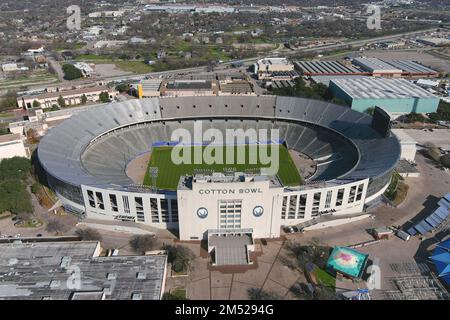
(441, 259)
(347, 261)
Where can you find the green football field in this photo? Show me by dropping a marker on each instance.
(169, 173)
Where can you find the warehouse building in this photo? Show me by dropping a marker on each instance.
(396, 96)
(413, 69)
(394, 68)
(75, 270)
(327, 68)
(377, 67)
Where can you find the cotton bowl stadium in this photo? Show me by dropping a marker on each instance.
(114, 162)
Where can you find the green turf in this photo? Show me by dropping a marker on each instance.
(325, 278)
(169, 173)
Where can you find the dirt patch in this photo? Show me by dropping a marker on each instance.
(137, 167)
(305, 165)
(109, 70)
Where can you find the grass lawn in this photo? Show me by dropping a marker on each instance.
(180, 294)
(37, 77)
(397, 189)
(169, 173)
(31, 223)
(92, 57)
(325, 278)
(133, 66)
(6, 115)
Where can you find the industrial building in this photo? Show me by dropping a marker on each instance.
(434, 41)
(394, 68)
(75, 270)
(268, 67)
(396, 96)
(11, 145)
(413, 69)
(377, 67)
(327, 68)
(325, 80)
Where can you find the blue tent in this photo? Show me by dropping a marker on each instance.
(441, 259)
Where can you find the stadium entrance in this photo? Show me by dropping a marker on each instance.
(230, 247)
(229, 204)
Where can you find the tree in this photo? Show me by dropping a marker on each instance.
(174, 296)
(32, 136)
(432, 151)
(89, 234)
(180, 257)
(9, 101)
(54, 225)
(142, 243)
(259, 294)
(61, 102)
(16, 168)
(71, 72)
(445, 160)
(370, 111)
(104, 97)
(442, 113)
(123, 87)
(14, 197)
(414, 117)
(83, 99)
(23, 215)
(36, 104)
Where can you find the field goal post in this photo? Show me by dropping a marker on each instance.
(154, 175)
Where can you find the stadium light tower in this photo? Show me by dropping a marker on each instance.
(154, 174)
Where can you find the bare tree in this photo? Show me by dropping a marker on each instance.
(89, 234)
(54, 225)
(142, 243)
(259, 294)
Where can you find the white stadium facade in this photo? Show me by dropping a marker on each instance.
(86, 157)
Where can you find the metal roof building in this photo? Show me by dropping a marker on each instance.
(394, 68)
(412, 68)
(327, 68)
(377, 67)
(397, 96)
(74, 271)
